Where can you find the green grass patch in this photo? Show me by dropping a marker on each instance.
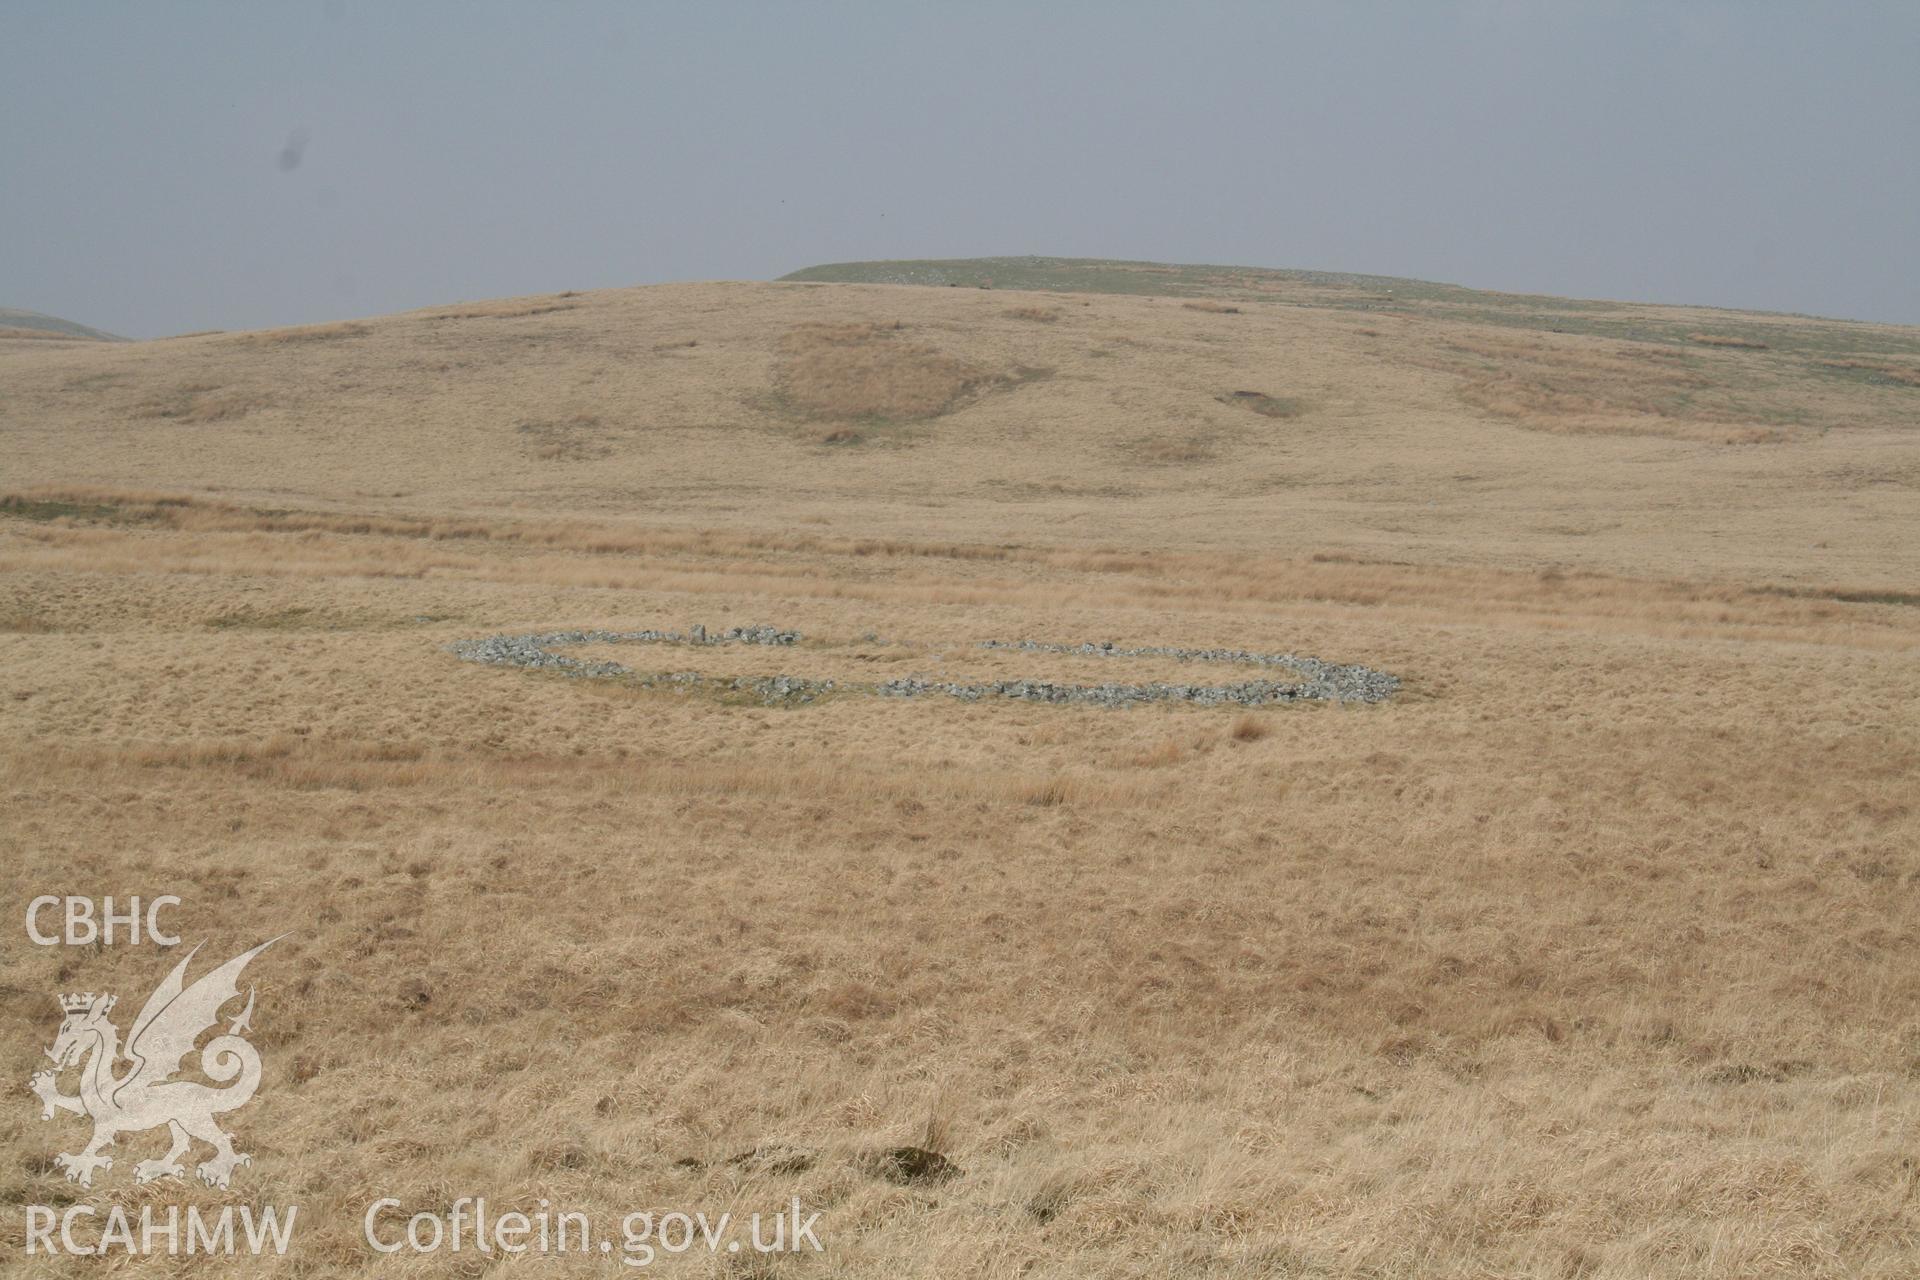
(1265, 405)
(23, 508)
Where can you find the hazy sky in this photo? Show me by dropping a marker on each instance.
(171, 167)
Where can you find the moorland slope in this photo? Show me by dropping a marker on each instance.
(1587, 951)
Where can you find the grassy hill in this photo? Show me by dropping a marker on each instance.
(1676, 326)
(1588, 952)
(31, 324)
(1729, 443)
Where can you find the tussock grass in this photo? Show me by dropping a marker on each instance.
(1039, 315)
(1048, 794)
(1211, 307)
(610, 554)
(1161, 754)
(1727, 340)
(1321, 934)
(1529, 972)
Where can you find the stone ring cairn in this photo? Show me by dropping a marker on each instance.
(1308, 679)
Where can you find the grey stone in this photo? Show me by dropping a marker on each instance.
(1311, 678)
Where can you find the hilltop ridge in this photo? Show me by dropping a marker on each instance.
(1353, 291)
(15, 323)
(1239, 413)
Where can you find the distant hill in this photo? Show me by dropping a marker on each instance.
(1114, 275)
(1180, 408)
(1379, 295)
(31, 324)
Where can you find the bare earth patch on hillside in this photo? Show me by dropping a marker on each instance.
(870, 372)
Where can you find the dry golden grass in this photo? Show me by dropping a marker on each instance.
(303, 333)
(1392, 462)
(1578, 387)
(1251, 728)
(869, 371)
(1588, 955)
(505, 309)
(579, 437)
(1727, 340)
(1906, 374)
(1173, 450)
(201, 402)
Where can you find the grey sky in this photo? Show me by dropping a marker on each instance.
(1741, 154)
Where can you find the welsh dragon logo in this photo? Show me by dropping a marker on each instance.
(146, 1095)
